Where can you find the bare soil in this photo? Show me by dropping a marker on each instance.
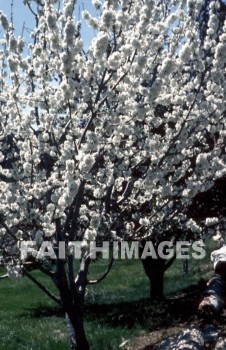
(174, 315)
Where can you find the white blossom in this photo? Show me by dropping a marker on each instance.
(115, 138)
(51, 21)
(13, 64)
(14, 272)
(114, 60)
(13, 44)
(87, 162)
(100, 44)
(70, 32)
(211, 221)
(97, 4)
(192, 225)
(107, 18)
(90, 235)
(4, 22)
(144, 221)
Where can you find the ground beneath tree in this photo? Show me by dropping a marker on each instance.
(176, 318)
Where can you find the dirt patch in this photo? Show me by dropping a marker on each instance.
(175, 315)
(151, 340)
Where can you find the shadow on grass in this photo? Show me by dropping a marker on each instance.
(43, 311)
(148, 313)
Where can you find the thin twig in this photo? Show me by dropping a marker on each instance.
(104, 275)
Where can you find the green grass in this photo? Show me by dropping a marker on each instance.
(176, 279)
(117, 309)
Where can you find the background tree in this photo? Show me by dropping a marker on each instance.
(196, 137)
(110, 142)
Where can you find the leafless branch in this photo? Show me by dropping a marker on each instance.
(104, 275)
(43, 288)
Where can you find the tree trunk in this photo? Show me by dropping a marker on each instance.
(74, 321)
(157, 285)
(72, 293)
(74, 309)
(155, 269)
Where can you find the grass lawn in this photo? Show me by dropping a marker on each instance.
(116, 310)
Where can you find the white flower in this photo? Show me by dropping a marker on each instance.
(14, 272)
(135, 43)
(107, 18)
(68, 8)
(67, 91)
(13, 64)
(70, 32)
(95, 222)
(2, 157)
(27, 167)
(91, 21)
(64, 200)
(211, 221)
(70, 165)
(55, 196)
(20, 44)
(86, 164)
(202, 160)
(130, 226)
(100, 44)
(45, 137)
(192, 225)
(98, 192)
(97, 4)
(144, 221)
(51, 21)
(4, 21)
(55, 42)
(221, 52)
(72, 188)
(167, 66)
(185, 53)
(187, 193)
(114, 61)
(90, 234)
(79, 44)
(13, 44)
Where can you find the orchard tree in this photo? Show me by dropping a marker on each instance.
(206, 206)
(113, 142)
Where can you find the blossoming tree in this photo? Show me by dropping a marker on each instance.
(109, 142)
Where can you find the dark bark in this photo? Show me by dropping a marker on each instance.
(74, 321)
(155, 269)
(73, 307)
(74, 310)
(157, 285)
(72, 293)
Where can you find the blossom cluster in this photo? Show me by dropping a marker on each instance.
(116, 140)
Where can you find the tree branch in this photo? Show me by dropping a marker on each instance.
(170, 262)
(104, 275)
(43, 288)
